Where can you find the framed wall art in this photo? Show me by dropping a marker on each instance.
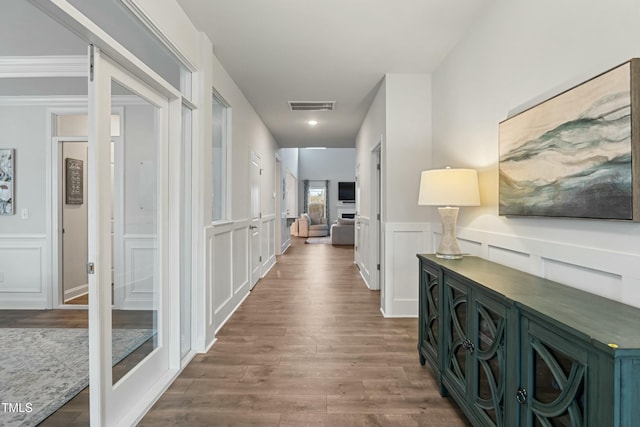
(6, 181)
(577, 154)
(74, 180)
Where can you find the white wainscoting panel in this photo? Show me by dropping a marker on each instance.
(209, 309)
(25, 279)
(285, 241)
(227, 258)
(596, 282)
(363, 251)
(613, 275)
(403, 242)
(268, 243)
(222, 270)
(240, 259)
(509, 257)
(140, 274)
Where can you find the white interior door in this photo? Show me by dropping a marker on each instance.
(255, 171)
(125, 381)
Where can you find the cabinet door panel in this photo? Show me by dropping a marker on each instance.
(457, 353)
(429, 316)
(489, 361)
(556, 379)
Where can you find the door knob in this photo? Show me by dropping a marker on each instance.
(253, 227)
(521, 395)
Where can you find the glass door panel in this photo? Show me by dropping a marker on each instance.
(136, 284)
(457, 351)
(489, 361)
(129, 345)
(556, 379)
(185, 238)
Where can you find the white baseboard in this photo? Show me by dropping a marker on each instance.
(72, 293)
(226, 319)
(146, 402)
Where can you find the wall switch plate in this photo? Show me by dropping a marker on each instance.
(24, 214)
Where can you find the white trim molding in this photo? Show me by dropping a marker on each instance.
(44, 66)
(24, 272)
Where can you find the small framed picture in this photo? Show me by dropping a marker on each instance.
(6, 181)
(74, 181)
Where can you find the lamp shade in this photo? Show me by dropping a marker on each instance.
(449, 187)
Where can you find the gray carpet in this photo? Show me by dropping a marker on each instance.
(48, 367)
(326, 240)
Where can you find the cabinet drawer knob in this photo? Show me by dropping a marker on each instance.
(521, 395)
(468, 345)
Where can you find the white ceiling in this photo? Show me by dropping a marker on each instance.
(326, 50)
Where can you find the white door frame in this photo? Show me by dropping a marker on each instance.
(68, 16)
(375, 225)
(279, 203)
(121, 404)
(56, 299)
(255, 224)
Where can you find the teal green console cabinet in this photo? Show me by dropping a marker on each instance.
(513, 349)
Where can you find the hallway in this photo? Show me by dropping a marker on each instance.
(309, 347)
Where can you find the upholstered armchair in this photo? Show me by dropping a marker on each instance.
(312, 226)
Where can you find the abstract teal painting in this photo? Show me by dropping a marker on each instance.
(571, 155)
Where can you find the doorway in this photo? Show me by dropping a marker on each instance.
(73, 229)
(376, 220)
(70, 170)
(281, 215)
(255, 172)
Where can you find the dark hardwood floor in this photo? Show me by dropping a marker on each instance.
(309, 347)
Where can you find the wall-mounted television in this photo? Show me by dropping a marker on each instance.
(346, 191)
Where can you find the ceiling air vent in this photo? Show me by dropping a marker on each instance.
(312, 105)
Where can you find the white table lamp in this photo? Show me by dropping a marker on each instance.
(449, 188)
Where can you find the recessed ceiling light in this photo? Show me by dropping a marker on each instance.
(313, 122)
(316, 148)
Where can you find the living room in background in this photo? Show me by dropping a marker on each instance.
(329, 166)
(317, 200)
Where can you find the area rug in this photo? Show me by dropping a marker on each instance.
(43, 368)
(326, 240)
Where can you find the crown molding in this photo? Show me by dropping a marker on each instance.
(43, 66)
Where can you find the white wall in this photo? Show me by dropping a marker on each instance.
(24, 267)
(289, 159)
(372, 133)
(289, 168)
(400, 119)
(333, 164)
(226, 244)
(516, 54)
(407, 148)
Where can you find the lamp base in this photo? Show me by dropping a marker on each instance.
(448, 248)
